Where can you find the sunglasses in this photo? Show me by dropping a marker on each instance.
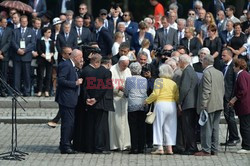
(103, 14)
(125, 15)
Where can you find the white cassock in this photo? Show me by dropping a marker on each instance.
(118, 120)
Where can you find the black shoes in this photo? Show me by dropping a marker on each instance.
(68, 151)
(230, 143)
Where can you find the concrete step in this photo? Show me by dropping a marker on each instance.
(30, 115)
(32, 102)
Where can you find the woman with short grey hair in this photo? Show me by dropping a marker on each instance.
(165, 95)
(135, 68)
(136, 92)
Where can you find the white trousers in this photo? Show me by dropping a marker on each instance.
(165, 124)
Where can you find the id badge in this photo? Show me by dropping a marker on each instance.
(22, 44)
(79, 41)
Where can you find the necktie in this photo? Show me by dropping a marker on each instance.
(97, 35)
(22, 32)
(35, 4)
(166, 32)
(224, 69)
(180, 36)
(188, 44)
(106, 24)
(1, 32)
(79, 31)
(229, 36)
(78, 87)
(66, 36)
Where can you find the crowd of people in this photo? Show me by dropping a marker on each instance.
(107, 73)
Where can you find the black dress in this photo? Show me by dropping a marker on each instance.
(213, 46)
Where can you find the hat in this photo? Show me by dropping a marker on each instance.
(103, 11)
(49, 15)
(56, 21)
(203, 117)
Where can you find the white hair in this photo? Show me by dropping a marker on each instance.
(181, 20)
(198, 3)
(121, 23)
(185, 59)
(166, 71)
(205, 50)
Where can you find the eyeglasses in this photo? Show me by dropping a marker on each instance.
(191, 14)
(103, 14)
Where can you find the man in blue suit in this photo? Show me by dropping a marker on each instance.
(23, 42)
(39, 7)
(66, 38)
(131, 26)
(66, 96)
(103, 37)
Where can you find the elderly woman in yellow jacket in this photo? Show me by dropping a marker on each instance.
(165, 95)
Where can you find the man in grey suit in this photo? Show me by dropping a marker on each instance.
(210, 100)
(229, 77)
(165, 35)
(187, 103)
(5, 42)
(23, 42)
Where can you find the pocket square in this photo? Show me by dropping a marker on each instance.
(29, 36)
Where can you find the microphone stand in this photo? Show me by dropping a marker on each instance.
(14, 154)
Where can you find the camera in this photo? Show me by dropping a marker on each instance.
(89, 49)
(161, 52)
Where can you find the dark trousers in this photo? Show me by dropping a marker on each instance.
(48, 75)
(136, 122)
(4, 74)
(179, 138)
(149, 128)
(57, 118)
(231, 122)
(97, 131)
(189, 122)
(245, 131)
(22, 72)
(67, 126)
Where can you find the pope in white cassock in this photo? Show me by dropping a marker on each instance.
(118, 120)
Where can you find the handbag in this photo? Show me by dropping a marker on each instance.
(150, 116)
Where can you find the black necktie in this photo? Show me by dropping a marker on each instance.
(77, 77)
(224, 69)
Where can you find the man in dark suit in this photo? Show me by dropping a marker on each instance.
(221, 21)
(15, 22)
(227, 34)
(67, 95)
(5, 43)
(187, 103)
(131, 26)
(215, 6)
(115, 17)
(39, 7)
(23, 42)
(64, 5)
(191, 42)
(83, 34)
(123, 50)
(165, 35)
(65, 39)
(107, 23)
(229, 78)
(103, 37)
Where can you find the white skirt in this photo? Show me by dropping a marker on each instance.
(165, 124)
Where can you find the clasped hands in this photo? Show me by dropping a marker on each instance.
(91, 101)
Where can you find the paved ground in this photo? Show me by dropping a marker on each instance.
(41, 142)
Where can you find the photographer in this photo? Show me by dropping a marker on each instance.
(88, 51)
(161, 56)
